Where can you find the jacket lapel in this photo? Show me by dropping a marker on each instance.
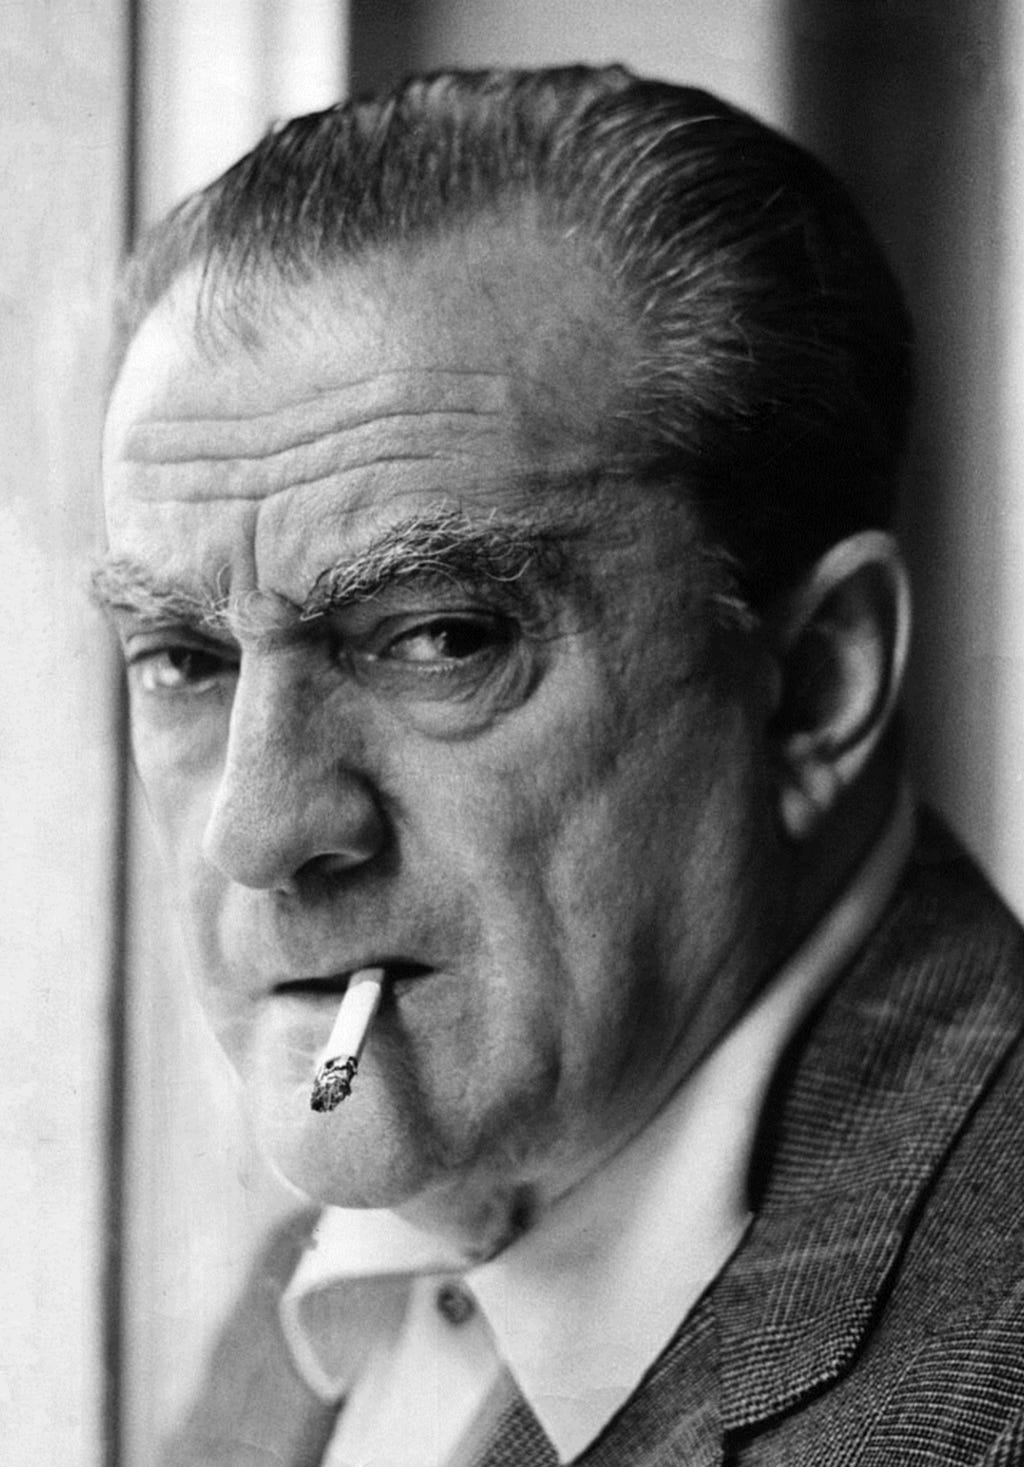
(672, 1421)
(518, 1440)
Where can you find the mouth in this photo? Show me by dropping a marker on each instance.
(398, 972)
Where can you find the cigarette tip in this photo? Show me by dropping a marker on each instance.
(333, 1083)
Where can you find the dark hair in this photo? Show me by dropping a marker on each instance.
(775, 371)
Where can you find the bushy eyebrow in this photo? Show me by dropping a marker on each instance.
(121, 584)
(447, 545)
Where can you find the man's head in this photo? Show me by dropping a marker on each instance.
(470, 466)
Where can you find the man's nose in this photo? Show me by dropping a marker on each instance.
(291, 801)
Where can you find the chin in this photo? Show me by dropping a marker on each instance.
(353, 1157)
(358, 1155)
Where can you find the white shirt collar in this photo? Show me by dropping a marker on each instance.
(582, 1304)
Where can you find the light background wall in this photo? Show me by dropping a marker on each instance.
(62, 154)
(918, 105)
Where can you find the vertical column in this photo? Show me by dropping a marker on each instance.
(62, 144)
(212, 78)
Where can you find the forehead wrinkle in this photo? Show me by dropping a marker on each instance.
(428, 439)
(300, 420)
(158, 441)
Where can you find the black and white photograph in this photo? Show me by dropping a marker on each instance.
(512, 733)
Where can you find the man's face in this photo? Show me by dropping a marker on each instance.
(413, 685)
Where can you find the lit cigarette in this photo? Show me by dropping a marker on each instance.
(341, 1057)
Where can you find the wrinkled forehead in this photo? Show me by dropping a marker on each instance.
(515, 315)
(480, 375)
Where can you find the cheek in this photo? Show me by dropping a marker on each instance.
(648, 873)
(540, 836)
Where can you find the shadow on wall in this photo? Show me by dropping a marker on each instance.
(906, 102)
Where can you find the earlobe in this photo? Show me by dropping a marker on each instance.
(841, 641)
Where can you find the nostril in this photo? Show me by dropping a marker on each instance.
(328, 865)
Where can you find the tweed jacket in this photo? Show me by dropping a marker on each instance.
(875, 1312)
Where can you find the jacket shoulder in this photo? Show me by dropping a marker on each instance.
(916, 1068)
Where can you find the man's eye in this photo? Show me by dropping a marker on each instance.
(453, 670)
(448, 640)
(177, 670)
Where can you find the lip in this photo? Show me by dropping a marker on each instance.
(397, 973)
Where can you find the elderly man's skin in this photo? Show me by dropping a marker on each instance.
(559, 794)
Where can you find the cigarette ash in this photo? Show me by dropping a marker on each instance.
(333, 1083)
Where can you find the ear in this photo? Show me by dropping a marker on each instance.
(840, 643)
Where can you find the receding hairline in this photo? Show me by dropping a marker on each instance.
(234, 294)
(567, 335)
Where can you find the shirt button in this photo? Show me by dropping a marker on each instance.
(454, 1303)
